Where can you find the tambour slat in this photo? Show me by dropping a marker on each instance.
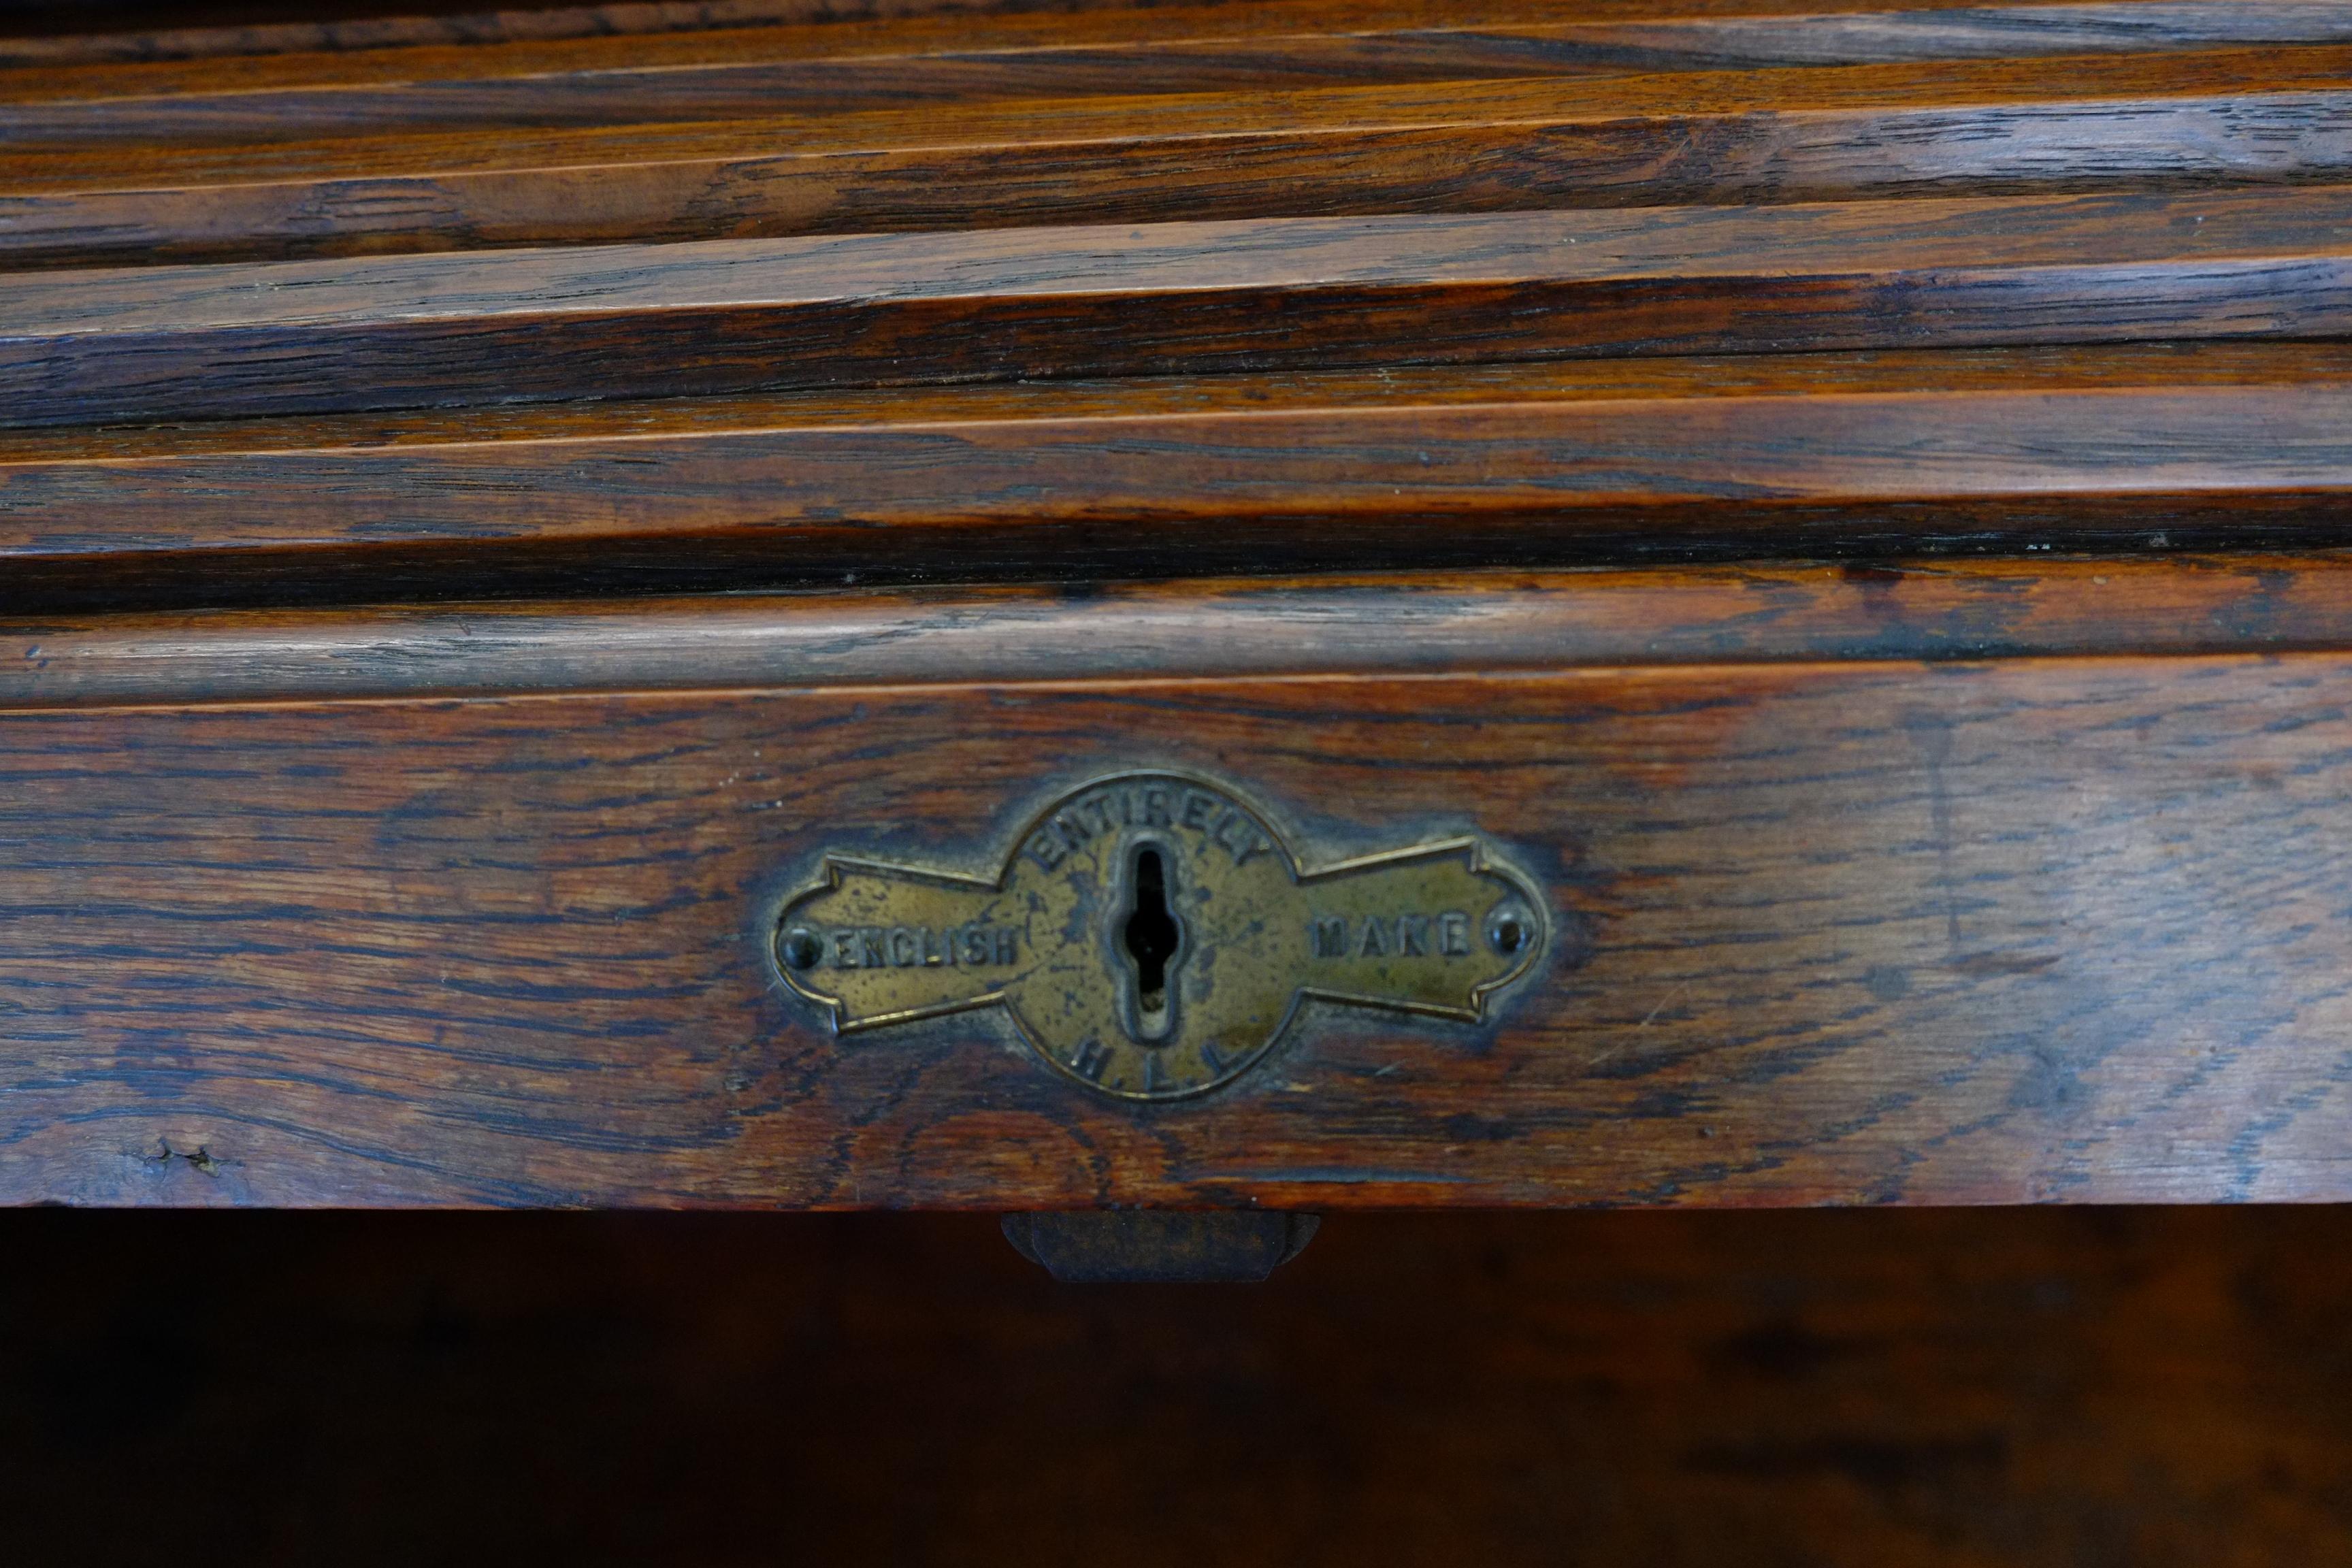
(2249, 363)
(2111, 449)
(1319, 35)
(1207, 120)
(46, 110)
(145, 343)
(2136, 121)
(359, 34)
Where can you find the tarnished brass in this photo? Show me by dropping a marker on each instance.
(1152, 936)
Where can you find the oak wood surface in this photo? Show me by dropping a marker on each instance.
(2007, 931)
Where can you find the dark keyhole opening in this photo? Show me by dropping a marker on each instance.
(1152, 934)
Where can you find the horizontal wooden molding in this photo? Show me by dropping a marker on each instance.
(1417, 623)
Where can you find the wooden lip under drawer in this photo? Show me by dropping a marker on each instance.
(1992, 883)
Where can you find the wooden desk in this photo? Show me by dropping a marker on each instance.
(1844, 507)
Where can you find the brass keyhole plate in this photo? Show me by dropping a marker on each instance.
(1435, 929)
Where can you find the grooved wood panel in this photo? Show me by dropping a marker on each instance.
(1862, 282)
(2026, 931)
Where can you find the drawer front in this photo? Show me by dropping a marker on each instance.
(1890, 930)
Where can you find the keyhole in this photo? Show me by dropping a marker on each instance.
(1151, 937)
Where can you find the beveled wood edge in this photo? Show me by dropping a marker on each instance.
(1373, 623)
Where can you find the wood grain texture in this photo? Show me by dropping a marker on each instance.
(1419, 622)
(2024, 930)
(2134, 122)
(2036, 1388)
(722, 316)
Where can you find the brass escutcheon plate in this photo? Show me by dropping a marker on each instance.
(1152, 936)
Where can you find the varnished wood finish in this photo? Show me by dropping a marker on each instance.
(2007, 931)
